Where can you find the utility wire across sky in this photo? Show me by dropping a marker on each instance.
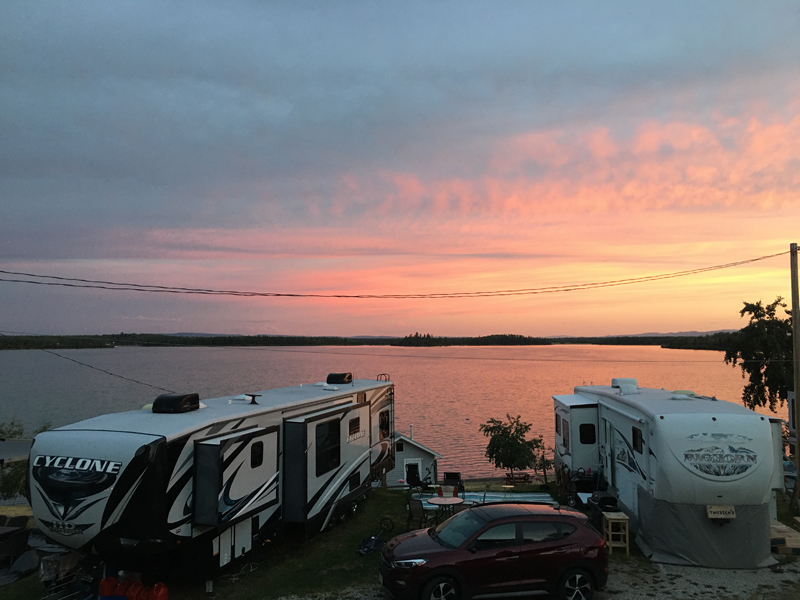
(137, 287)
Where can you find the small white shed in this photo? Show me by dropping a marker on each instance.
(411, 455)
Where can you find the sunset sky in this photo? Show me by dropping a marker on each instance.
(396, 148)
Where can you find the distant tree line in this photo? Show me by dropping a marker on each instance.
(715, 341)
(427, 339)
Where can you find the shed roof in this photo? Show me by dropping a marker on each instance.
(399, 436)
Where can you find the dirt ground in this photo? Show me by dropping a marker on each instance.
(636, 578)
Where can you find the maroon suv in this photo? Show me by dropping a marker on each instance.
(497, 549)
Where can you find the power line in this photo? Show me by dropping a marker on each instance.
(137, 287)
(155, 387)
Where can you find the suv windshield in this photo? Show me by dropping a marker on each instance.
(459, 528)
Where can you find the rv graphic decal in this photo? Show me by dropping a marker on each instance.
(720, 454)
(356, 436)
(66, 528)
(229, 507)
(70, 486)
(77, 464)
(624, 455)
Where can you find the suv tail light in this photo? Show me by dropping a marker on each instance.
(600, 544)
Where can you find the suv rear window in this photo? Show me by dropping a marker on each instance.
(566, 529)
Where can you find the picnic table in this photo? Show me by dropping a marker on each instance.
(519, 477)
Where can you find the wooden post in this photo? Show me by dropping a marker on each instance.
(796, 361)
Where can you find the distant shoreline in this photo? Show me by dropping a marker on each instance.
(713, 341)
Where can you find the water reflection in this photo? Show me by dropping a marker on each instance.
(446, 393)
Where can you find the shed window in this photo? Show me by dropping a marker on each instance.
(354, 426)
(383, 424)
(256, 454)
(328, 445)
(398, 446)
(565, 434)
(558, 425)
(587, 433)
(636, 437)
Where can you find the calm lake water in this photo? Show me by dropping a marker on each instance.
(445, 393)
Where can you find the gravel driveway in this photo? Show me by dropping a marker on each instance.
(636, 578)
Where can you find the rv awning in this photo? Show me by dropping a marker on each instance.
(576, 401)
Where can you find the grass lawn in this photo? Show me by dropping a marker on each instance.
(326, 563)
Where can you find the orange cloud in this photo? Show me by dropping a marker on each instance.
(662, 166)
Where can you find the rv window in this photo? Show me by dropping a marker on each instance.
(354, 426)
(558, 425)
(398, 446)
(587, 434)
(636, 436)
(383, 424)
(256, 454)
(565, 434)
(327, 446)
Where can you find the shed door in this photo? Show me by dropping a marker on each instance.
(412, 465)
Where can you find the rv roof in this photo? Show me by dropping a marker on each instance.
(654, 402)
(222, 409)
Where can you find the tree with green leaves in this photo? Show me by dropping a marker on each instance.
(508, 447)
(12, 475)
(763, 350)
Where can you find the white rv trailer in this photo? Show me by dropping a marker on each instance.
(211, 477)
(695, 475)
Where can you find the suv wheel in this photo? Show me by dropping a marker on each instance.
(576, 584)
(440, 588)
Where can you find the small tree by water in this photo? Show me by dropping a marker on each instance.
(763, 350)
(12, 475)
(508, 448)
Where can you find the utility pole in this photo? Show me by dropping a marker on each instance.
(796, 361)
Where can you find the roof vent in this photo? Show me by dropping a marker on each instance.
(339, 378)
(176, 403)
(626, 386)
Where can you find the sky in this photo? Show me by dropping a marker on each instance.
(388, 148)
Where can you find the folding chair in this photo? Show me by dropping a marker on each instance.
(418, 516)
